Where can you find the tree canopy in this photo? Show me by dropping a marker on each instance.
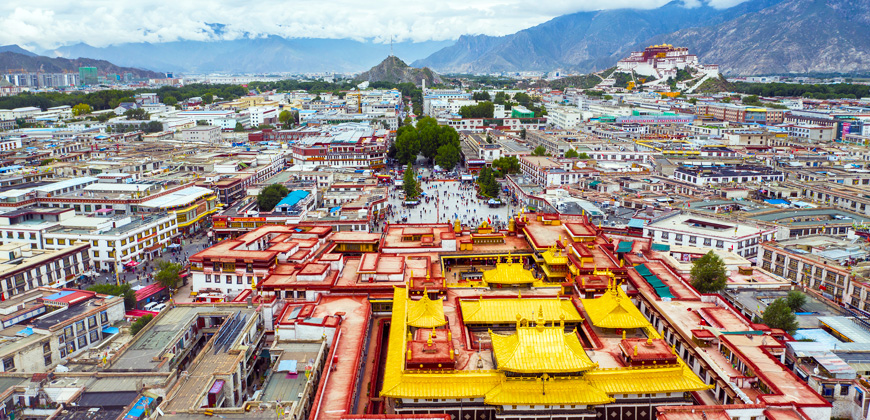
(269, 197)
(507, 165)
(427, 138)
(168, 274)
(447, 156)
(81, 109)
(481, 96)
(779, 315)
(117, 290)
(487, 185)
(140, 323)
(539, 151)
(796, 300)
(409, 184)
(708, 273)
(285, 117)
(571, 153)
(481, 110)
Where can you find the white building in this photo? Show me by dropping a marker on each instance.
(686, 229)
(202, 133)
(567, 118)
(116, 240)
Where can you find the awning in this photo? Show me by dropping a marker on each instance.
(131, 264)
(110, 330)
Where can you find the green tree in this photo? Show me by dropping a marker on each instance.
(269, 197)
(693, 101)
(583, 156)
(239, 128)
(285, 117)
(81, 109)
(407, 144)
(726, 100)
(201, 122)
(168, 274)
(136, 114)
(523, 134)
(447, 157)
(481, 110)
(571, 153)
(779, 315)
(751, 100)
(539, 151)
(796, 300)
(708, 273)
(170, 100)
(481, 96)
(507, 164)
(117, 290)
(207, 98)
(487, 185)
(140, 323)
(409, 184)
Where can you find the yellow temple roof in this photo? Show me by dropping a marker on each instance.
(496, 389)
(614, 310)
(508, 273)
(505, 311)
(535, 391)
(426, 313)
(554, 256)
(540, 350)
(646, 380)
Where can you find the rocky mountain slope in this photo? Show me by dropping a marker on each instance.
(394, 70)
(32, 63)
(794, 36)
(582, 41)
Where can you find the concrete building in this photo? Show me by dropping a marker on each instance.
(679, 228)
(202, 133)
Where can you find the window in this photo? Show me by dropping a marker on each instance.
(665, 235)
(707, 241)
(678, 237)
(844, 389)
(95, 336)
(693, 239)
(238, 279)
(8, 364)
(46, 348)
(104, 317)
(80, 327)
(83, 341)
(208, 278)
(48, 359)
(720, 244)
(229, 279)
(92, 321)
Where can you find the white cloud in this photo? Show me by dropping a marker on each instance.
(51, 23)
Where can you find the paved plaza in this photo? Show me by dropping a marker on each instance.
(447, 201)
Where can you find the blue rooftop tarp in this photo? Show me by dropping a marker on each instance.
(661, 247)
(635, 223)
(59, 295)
(776, 201)
(138, 410)
(291, 199)
(625, 246)
(334, 209)
(287, 366)
(110, 330)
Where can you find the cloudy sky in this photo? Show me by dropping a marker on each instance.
(43, 24)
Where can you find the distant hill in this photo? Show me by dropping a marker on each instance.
(583, 41)
(16, 49)
(394, 70)
(821, 36)
(31, 63)
(272, 54)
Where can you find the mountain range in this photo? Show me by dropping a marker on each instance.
(14, 58)
(754, 37)
(750, 38)
(254, 55)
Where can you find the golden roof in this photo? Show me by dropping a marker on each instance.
(555, 256)
(508, 273)
(535, 391)
(646, 380)
(505, 311)
(540, 350)
(426, 313)
(614, 310)
(496, 389)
